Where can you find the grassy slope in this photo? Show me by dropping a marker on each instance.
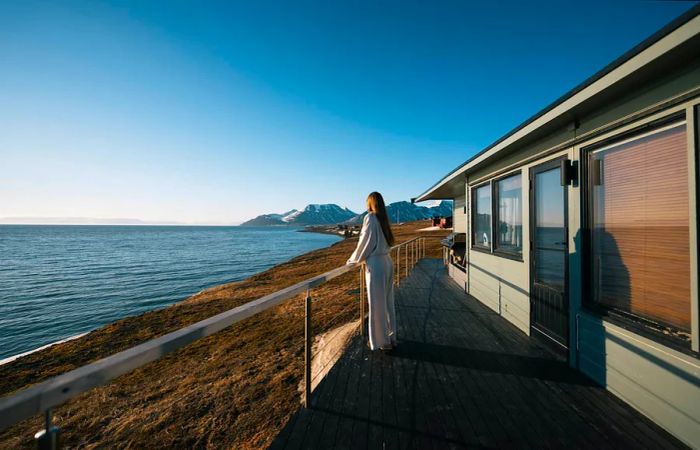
(235, 389)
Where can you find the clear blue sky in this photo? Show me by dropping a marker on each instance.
(217, 112)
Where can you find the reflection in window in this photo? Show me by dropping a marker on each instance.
(482, 216)
(550, 230)
(509, 220)
(639, 225)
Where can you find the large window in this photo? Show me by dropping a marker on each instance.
(481, 219)
(639, 222)
(509, 215)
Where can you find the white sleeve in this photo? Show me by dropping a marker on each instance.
(367, 242)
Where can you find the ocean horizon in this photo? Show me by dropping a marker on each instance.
(59, 281)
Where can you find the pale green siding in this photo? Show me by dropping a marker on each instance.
(458, 215)
(660, 382)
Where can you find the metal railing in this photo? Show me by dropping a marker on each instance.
(42, 397)
(411, 251)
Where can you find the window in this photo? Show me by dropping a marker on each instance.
(482, 217)
(509, 215)
(639, 228)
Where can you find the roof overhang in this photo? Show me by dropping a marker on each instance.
(673, 43)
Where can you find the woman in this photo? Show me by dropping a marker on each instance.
(373, 248)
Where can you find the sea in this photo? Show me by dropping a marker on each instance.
(59, 281)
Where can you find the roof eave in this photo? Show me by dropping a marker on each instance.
(672, 35)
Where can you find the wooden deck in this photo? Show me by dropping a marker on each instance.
(461, 376)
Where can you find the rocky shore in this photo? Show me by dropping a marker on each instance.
(346, 231)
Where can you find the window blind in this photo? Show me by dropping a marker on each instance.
(640, 227)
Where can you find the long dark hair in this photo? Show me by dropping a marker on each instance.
(375, 204)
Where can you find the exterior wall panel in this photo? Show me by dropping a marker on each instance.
(483, 285)
(516, 306)
(459, 217)
(459, 276)
(502, 285)
(661, 383)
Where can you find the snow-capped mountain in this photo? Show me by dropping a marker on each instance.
(319, 215)
(314, 214)
(406, 212)
(442, 209)
(263, 221)
(286, 214)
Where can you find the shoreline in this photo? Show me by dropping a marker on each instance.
(12, 358)
(323, 229)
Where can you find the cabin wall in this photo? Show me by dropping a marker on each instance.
(458, 275)
(658, 380)
(661, 383)
(459, 215)
(500, 283)
(459, 223)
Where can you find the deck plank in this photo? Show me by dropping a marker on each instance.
(360, 431)
(461, 377)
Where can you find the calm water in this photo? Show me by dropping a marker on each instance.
(59, 281)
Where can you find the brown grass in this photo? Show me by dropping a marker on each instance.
(235, 389)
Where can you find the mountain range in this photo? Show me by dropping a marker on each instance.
(313, 214)
(331, 214)
(407, 212)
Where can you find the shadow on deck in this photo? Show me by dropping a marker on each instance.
(462, 376)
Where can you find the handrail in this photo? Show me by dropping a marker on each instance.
(37, 398)
(41, 397)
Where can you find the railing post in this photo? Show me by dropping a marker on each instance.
(406, 259)
(398, 264)
(307, 349)
(47, 439)
(394, 268)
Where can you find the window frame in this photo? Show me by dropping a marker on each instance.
(474, 207)
(624, 319)
(495, 212)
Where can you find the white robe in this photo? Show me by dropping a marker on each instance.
(373, 249)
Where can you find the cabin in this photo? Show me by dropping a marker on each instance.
(581, 227)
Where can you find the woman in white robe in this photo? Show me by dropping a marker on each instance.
(373, 248)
